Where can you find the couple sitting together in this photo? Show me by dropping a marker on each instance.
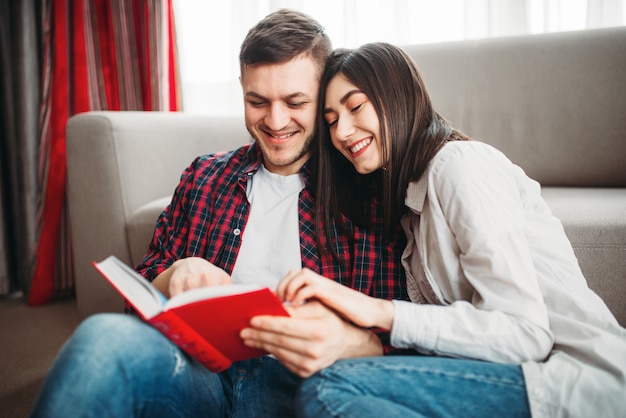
(438, 282)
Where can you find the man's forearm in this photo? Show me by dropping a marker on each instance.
(363, 343)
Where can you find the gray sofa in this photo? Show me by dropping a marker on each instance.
(554, 103)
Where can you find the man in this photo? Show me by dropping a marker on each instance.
(243, 216)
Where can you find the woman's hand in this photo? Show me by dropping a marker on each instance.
(298, 287)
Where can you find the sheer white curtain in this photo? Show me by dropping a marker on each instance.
(211, 31)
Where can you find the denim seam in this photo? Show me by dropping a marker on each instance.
(427, 371)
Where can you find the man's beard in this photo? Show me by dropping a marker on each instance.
(305, 149)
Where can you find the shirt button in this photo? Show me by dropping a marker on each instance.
(237, 231)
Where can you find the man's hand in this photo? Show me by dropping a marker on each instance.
(313, 337)
(190, 273)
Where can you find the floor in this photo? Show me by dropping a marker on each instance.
(31, 338)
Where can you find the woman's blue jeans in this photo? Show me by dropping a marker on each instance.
(117, 366)
(414, 386)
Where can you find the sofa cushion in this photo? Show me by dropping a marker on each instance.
(594, 220)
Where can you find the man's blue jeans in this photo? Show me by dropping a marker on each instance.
(117, 366)
(414, 386)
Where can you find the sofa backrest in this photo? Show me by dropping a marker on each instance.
(553, 103)
(146, 151)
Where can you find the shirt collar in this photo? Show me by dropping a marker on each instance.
(416, 194)
(305, 172)
(253, 159)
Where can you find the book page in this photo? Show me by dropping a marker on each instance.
(144, 297)
(210, 292)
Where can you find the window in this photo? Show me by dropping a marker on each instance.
(210, 32)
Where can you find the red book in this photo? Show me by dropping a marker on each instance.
(203, 322)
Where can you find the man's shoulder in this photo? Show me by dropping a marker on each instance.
(223, 167)
(239, 155)
(241, 159)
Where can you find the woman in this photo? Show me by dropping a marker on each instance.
(502, 311)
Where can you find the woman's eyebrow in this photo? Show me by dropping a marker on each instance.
(346, 96)
(344, 99)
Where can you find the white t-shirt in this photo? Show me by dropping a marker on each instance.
(271, 239)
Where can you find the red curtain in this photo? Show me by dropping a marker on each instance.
(97, 55)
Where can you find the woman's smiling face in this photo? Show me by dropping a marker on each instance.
(354, 125)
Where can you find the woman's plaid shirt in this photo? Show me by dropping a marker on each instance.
(208, 213)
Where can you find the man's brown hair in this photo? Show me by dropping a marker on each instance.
(282, 36)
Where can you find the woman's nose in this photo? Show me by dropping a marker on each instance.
(345, 129)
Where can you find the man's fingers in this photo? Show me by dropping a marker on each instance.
(296, 354)
(277, 325)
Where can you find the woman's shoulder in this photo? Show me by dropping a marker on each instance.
(462, 156)
(461, 166)
(458, 150)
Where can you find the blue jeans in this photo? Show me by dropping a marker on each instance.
(414, 386)
(118, 366)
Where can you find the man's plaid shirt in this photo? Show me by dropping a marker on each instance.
(207, 218)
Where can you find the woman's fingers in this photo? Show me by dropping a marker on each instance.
(298, 286)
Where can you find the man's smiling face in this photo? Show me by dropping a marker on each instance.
(280, 109)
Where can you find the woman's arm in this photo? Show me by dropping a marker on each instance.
(478, 214)
(298, 287)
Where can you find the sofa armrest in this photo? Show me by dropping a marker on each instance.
(140, 227)
(118, 162)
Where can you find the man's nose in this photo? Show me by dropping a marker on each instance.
(278, 117)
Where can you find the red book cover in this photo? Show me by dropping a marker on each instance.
(203, 322)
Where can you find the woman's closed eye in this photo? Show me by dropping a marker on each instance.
(331, 120)
(330, 117)
(356, 108)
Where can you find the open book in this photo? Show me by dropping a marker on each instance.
(203, 322)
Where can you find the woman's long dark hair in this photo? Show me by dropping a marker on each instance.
(411, 134)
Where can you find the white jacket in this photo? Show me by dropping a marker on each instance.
(483, 243)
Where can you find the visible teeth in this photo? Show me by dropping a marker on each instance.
(358, 147)
(283, 136)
